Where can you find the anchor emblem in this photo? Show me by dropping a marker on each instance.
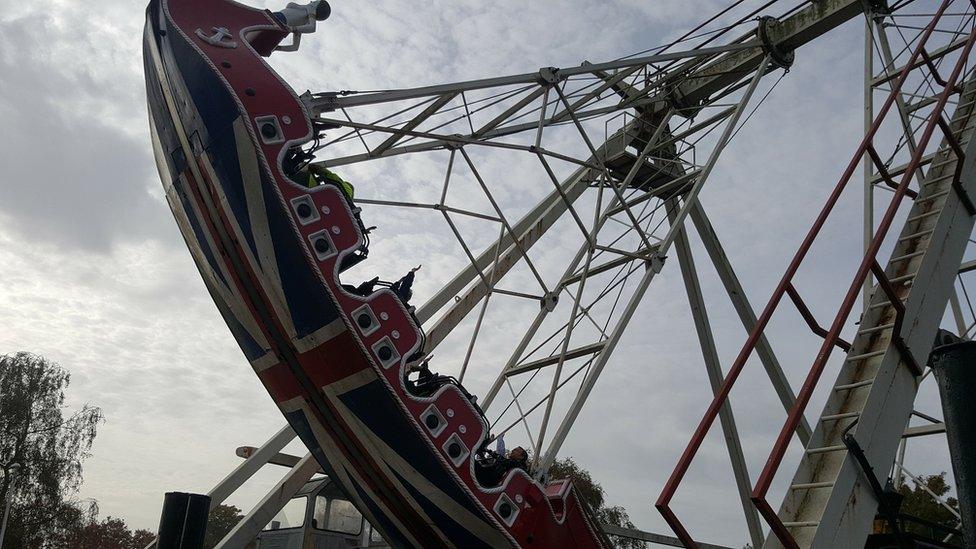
(220, 38)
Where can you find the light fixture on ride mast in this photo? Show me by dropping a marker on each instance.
(302, 19)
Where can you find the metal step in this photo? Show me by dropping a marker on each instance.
(812, 486)
(936, 196)
(903, 278)
(838, 417)
(912, 255)
(826, 449)
(830, 503)
(881, 304)
(875, 329)
(855, 385)
(923, 216)
(864, 356)
(807, 524)
(940, 179)
(914, 236)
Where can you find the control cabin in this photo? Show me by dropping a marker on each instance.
(319, 517)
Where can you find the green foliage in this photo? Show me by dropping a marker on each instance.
(920, 503)
(111, 533)
(142, 538)
(47, 444)
(222, 520)
(593, 494)
(588, 489)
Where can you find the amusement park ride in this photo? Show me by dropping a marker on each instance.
(286, 250)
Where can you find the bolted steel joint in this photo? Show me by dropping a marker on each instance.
(685, 108)
(656, 263)
(877, 7)
(456, 144)
(549, 302)
(549, 76)
(782, 57)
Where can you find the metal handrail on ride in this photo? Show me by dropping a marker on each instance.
(868, 265)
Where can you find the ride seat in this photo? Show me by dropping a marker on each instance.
(556, 492)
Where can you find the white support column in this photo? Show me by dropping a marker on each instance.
(747, 315)
(331, 102)
(654, 267)
(899, 462)
(250, 466)
(584, 251)
(696, 301)
(590, 381)
(868, 165)
(911, 141)
(252, 524)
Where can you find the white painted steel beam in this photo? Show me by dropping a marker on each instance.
(329, 103)
(713, 367)
(747, 315)
(656, 539)
(690, 200)
(243, 472)
(259, 517)
(250, 466)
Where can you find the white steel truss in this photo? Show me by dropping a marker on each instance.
(663, 118)
(622, 151)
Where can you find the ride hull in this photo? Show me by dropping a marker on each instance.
(269, 251)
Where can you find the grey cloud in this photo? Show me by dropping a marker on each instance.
(72, 177)
(93, 273)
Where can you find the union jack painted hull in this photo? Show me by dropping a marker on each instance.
(269, 251)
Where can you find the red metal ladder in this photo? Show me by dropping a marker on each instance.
(883, 325)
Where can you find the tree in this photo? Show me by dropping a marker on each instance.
(223, 518)
(142, 538)
(111, 533)
(48, 445)
(593, 494)
(919, 502)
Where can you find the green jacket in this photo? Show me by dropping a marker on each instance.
(317, 172)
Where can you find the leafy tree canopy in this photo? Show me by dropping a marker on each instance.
(593, 494)
(42, 448)
(223, 518)
(919, 502)
(111, 533)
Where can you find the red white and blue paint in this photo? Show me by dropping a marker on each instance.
(334, 362)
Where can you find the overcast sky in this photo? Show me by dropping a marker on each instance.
(94, 273)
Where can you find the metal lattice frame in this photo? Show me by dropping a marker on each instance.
(626, 148)
(665, 119)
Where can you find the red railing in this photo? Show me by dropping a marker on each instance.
(868, 265)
